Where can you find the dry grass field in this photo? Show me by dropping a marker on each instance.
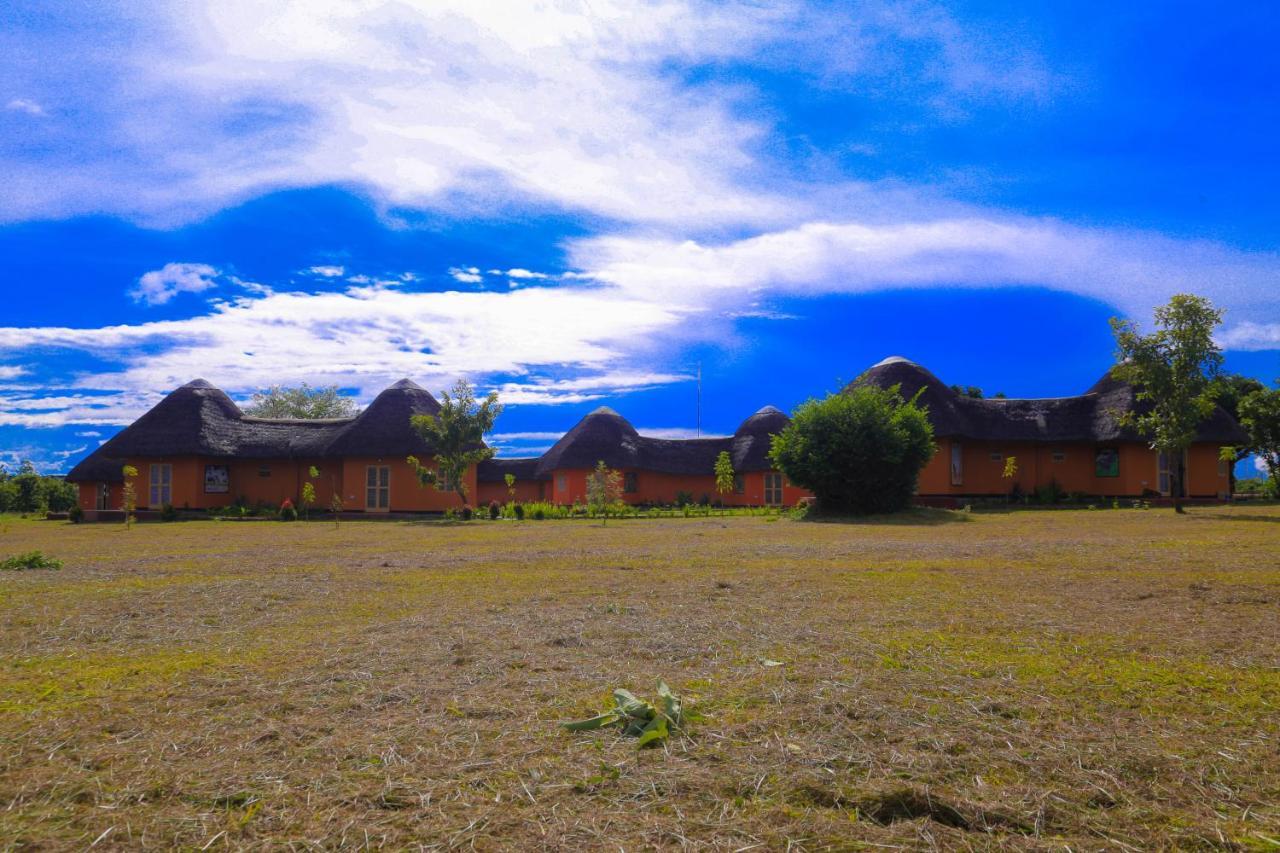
(1035, 680)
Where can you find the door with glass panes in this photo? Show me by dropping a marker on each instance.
(377, 488)
(773, 489)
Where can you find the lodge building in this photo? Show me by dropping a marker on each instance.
(196, 449)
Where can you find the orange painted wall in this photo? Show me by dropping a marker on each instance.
(406, 493)
(655, 488)
(984, 475)
(89, 496)
(526, 490)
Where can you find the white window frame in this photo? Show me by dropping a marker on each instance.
(160, 484)
(377, 488)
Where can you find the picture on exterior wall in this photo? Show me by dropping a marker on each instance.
(217, 479)
(1106, 463)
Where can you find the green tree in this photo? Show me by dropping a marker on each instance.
(724, 473)
(1229, 389)
(457, 435)
(1172, 370)
(604, 490)
(28, 490)
(860, 451)
(510, 480)
(304, 402)
(1260, 416)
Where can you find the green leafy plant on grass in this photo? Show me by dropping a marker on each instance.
(28, 561)
(637, 718)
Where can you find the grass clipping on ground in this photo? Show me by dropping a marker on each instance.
(637, 718)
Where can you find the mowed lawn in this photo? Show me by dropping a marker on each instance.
(1094, 679)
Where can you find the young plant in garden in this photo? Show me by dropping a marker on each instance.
(604, 490)
(510, 480)
(309, 492)
(638, 718)
(130, 494)
(724, 473)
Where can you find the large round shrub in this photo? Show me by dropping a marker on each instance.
(859, 451)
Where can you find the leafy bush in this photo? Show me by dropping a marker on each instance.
(860, 451)
(683, 499)
(538, 513)
(28, 561)
(518, 510)
(466, 513)
(76, 514)
(287, 511)
(168, 513)
(495, 510)
(1050, 493)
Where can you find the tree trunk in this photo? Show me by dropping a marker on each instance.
(1176, 477)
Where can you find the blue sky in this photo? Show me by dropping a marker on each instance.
(580, 203)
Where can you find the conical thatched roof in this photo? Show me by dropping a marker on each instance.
(603, 435)
(384, 429)
(751, 442)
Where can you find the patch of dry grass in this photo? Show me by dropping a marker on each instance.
(1026, 680)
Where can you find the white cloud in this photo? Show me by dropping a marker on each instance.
(1251, 336)
(159, 286)
(327, 271)
(522, 273)
(89, 433)
(466, 275)
(12, 371)
(676, 432)
(514, 437)
(23, 105)
(1132, 271)
(366, 337)
(1261, 465)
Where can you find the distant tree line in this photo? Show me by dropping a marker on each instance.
(28, 491)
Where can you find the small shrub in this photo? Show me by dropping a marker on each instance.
(287, 511)
(76, 514)
(518, 510)
(168, 513)
(466, 513)
(539, 513)
(29, 561)
(1050, 494)
(683, 499)
(495, 510)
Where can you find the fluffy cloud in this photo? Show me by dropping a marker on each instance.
(327, 271)
(365, 337)
(159, 286)
(466, 275)
(1132, 271)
